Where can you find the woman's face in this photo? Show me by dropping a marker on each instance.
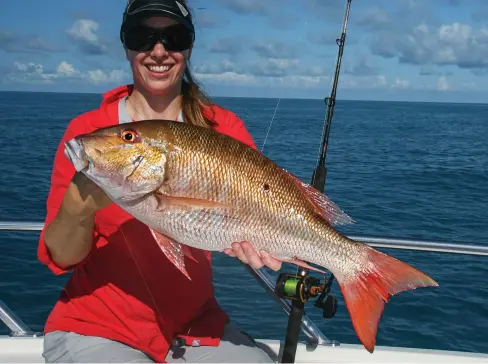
(157, 70)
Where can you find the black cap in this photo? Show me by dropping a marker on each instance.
(139, 10)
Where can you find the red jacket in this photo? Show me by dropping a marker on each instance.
(126, 289)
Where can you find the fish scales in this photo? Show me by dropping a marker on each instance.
(269, 209)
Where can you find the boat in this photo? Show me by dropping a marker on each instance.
(23, 345)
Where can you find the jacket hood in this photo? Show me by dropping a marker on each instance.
(114, 95)
(108, 111)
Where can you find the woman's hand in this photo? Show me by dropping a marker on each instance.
(69, 237)
(84, 197)
(246, 254)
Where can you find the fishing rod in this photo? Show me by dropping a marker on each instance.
(300, 287)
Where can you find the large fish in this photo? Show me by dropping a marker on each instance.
(195, 187)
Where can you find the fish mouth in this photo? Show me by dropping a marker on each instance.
(117, 185)
(75, 152)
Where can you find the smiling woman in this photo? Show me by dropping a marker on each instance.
(115, 307)
(159, 51)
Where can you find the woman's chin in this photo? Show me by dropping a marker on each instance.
(158, 87)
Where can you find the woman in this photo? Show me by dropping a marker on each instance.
(124, 301)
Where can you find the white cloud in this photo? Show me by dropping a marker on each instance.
(66, 69)
(449, 44)
(270, 72)
(382, 82)
(361, 74)
(442, 84)
(227, 78)
(98, 76)
(400, 83)
(84, 33)
(238, 79)
(266, 67)
(36, 73)
(29, 67)
(84, 29)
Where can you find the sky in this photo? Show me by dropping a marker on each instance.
(406, 50)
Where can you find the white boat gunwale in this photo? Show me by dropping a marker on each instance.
(29, 350)
(24, 345)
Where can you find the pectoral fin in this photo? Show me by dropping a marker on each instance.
(165, 202)
(174, 251)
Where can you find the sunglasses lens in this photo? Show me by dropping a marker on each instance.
(139, 38)
(174, 38)
(177, 38)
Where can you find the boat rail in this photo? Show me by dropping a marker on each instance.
(313, 334)
(16, 326)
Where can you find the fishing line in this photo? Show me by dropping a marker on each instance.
(140, 272)
(271, 123)
(279, 99)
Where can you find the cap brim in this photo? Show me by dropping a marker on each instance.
(150, 11)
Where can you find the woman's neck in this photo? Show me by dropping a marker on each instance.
(143, 105)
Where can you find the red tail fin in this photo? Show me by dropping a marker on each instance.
(366, 293)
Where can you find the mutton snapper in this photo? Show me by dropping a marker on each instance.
(193, 186)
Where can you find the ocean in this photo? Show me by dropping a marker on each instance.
(416, 170)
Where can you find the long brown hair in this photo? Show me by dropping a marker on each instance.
(195, 102)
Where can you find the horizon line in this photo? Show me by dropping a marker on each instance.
(261, 97)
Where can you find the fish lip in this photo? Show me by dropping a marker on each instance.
(75, 152)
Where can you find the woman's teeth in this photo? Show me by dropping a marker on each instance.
(159, 69)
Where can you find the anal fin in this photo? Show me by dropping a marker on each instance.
(298, 262)
(174, 251)
(302, 264)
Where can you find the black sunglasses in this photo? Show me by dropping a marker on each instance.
(175, 38)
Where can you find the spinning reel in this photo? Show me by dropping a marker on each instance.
(302, 288)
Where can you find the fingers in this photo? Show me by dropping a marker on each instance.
(229, 252)
(270, 262)
(239, 253)
(246, 253)
(251, 255)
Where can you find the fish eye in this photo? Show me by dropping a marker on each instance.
(129, 136)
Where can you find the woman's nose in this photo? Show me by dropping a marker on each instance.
(158, 50)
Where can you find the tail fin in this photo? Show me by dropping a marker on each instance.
(366, 293)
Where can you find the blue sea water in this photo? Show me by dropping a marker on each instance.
(416, 170)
